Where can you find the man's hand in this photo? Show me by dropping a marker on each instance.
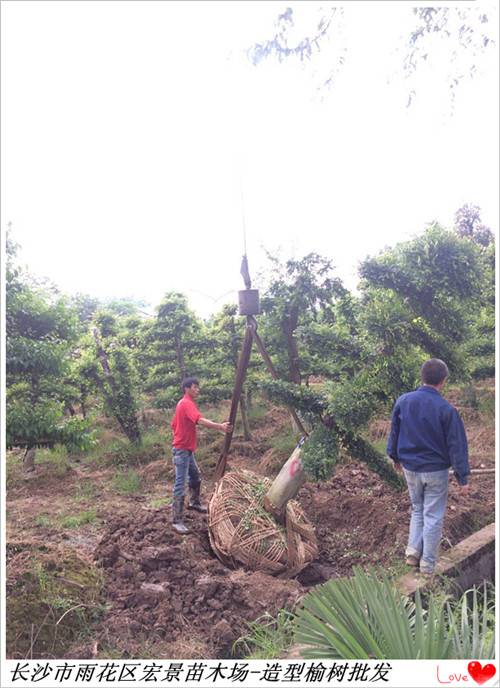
(464, 489)
(226, 426)
(397, 466)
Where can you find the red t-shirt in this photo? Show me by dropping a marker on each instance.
(184, 424)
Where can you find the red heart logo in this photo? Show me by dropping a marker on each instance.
(479, 673)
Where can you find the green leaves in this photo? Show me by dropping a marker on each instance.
(355, 618)
(438, 274)
(366, 617)
(320, 453)
(298, 292)
(45, 422)
(472, 624)
(302, 398)
(41, 332)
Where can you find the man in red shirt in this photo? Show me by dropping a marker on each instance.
(184, 423)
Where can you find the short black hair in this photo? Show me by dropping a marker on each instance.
(189, 382)
(434, 371)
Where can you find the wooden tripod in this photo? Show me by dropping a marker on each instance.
(250, 335)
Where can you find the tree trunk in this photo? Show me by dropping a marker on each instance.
(244, 418)
(180, 356)
(129, 425)
(70, 409)
(102, 356)
(132, 430)
(289, 327)
(285, 486)
(29, 459)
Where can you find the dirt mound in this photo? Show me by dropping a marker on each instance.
(169, 588)
(361, 520)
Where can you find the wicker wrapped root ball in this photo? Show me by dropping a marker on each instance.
(241, 531)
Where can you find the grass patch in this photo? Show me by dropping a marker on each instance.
(13, 469)
(468, 396)
(44, 521)
(128, 482)
(56, 599)
(119, 450)
(160, 501)
(77, 520)
(57, 458)
(208, 451)
(108, 652)
(257, 411)
(85, 490)
(267, 638)
(380, 445)
(486, 404)
(284, 443)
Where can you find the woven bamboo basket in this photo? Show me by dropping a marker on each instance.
(242, 532)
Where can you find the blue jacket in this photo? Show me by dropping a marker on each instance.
(427, 434)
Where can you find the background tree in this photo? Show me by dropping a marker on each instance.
(112, 371)
(417, 301)
(297, 292)
(41, 332)
(468, 225)
(452, 43)
(434, 283)
(174, 347)
(335, 341)
(480, 346)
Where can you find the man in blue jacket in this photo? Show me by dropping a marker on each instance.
(427, 438)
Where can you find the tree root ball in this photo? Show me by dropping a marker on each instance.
(242, 532)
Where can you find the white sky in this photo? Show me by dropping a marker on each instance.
(128, 129)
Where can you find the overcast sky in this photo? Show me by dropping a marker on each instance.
(137, 135)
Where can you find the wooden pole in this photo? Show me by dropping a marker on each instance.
(274, 375)
(238, 386)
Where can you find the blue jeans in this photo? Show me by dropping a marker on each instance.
(185, 465)
(428, 495)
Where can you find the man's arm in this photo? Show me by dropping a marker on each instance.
(456, 441)
(222, 427)
(392, 442)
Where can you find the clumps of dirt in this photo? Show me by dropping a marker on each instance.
(157, 471)
(53, 597)
(168, 588)
(360, 520)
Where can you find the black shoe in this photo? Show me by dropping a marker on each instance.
(197, 507)
(194, 501)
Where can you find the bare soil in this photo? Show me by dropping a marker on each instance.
(168, 596)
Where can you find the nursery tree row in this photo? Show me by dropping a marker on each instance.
(341, 357)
